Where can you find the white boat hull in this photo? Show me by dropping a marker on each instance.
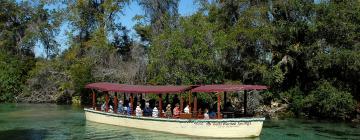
(219, 128)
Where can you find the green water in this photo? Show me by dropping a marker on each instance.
(48, 121)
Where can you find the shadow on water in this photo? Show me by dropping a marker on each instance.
(23, 134)
(331, 137)
(336, 133)
(292, 135)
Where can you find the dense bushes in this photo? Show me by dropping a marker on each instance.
(324, 101)
(13, 70)
(328, 102)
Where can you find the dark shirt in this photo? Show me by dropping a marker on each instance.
(147, 111)
(212, 114)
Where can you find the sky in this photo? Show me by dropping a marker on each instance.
(186, 8)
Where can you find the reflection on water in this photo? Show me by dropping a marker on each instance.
(48, 121)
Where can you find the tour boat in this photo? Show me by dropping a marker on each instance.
(187, 124)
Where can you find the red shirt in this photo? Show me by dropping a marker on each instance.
(176, 112)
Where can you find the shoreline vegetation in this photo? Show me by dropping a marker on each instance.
(307, 52)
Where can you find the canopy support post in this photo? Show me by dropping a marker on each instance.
(160, 105)
(167, 99)
(93, 100)
(195, 105)
(107, 101)
(181, 104)
(124, 99)
(225, 99)
(131, 104)
(189, 102)
(115, 103)
(245, 102)
(218, 105)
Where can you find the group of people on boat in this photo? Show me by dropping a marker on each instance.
(148, 111)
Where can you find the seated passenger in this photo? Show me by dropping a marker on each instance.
(129, 110)
(187, 109)
(103, 106)
(206, 114)
(138, 111)
(212, 114)
(176, 111)
(147, 110)
(124, 110)
(229, 107)
(120, 107)
(111, 103)
(168, 112)
(199, 111)
(155, 112)
(111, 109)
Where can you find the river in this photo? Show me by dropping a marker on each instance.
(49, 121)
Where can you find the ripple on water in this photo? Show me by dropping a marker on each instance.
(332, 132)
(23, 134)
(332, 137)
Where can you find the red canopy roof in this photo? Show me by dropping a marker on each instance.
(221, 88)
(104, 86)
(137, 88)
(153, 89)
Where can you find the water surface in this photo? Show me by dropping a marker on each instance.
(49, 121)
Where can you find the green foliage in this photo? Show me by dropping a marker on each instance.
(80, 74)
(12, 71)
(328, 102)
(289, 46)
(23, 24)
(324, 101)
(162, 14)
(294, 97)
(186, 55)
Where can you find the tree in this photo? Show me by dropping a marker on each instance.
(187, 54)
(162, 14)
(22, 26)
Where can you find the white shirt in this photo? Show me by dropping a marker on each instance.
(206, 116)
(125, 108)
(111, 109)
(103, 107)
(138, 111)
(155, 112)
(186, 110)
